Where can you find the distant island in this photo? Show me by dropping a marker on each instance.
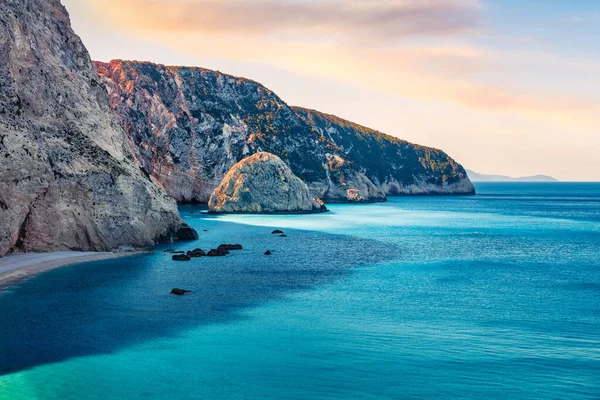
(476, 177)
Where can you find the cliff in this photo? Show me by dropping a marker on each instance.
(262, 183)
(188, 126)
(67, 177)
(395, 166)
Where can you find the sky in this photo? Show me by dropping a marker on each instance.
(503, 86)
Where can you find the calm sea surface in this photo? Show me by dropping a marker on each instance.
(484, 297)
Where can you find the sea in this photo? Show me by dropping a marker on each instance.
(492, 296)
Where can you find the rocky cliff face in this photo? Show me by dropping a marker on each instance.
(189, 126)
(395, 166)
(262, 183)
(67, 180)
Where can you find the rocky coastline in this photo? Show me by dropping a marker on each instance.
(263, 183)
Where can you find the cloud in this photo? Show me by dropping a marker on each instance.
(357, 41)
(447, 74)
(346, 19)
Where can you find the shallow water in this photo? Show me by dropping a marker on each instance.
(491, 296)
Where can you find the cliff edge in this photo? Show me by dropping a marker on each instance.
(67, 177)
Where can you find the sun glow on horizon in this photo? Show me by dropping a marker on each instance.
(499, 96)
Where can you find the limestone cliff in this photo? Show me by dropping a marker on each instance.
(188, 126)
(67, 178)
(395, 166)
(263, 183)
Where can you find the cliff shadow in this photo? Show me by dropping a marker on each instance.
(102, 307)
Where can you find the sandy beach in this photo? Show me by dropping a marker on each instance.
(19, 267)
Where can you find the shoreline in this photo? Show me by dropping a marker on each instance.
(15, 269)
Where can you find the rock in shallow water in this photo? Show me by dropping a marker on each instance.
(263, 183)
(185, 232)
(181, 257)
(217, 253)
(230, 247)
(179, 292)
(196, 253)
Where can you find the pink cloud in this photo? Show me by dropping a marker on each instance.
(388, 20)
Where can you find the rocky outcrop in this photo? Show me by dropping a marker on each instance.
(179, 292)
(394, 166)
(189, 126)
(262, 183)
(67, 177)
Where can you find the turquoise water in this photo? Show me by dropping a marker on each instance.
(491, 296)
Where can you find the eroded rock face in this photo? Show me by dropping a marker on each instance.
(263, 183)
(67, 177)
(188, 126)
(394, 166)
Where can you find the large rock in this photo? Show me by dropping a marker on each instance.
(263, 183)
(67, 176)
(189, 126)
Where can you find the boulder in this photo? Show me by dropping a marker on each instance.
(196, 253)
(185, 232)
(181, 257)
(179, 292)
(217, 253)
(276, 232)
(263, 183)
(268, 253)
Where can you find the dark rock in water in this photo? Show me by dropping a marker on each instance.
(196, 253)
(169, 251)
(181, 257)
(283, 235)
(179, 292)
(277, 231)
(186, 233)
(268, 253)
(217, 253)
(206, 230)
(230, 247)
(177, 252)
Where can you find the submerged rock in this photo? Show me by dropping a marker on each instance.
(230, 247)
(179, 292)
(263, 183)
